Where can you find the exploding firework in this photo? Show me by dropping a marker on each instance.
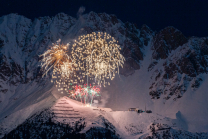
(93, 56)
(97, 56)
(56, 58)
(84, 93)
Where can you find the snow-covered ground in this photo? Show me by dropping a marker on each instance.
(127, 124)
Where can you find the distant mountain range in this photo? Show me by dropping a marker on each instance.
(165, 70)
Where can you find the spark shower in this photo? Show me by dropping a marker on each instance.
(93, 58)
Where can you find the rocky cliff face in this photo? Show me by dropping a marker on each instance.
(181, 63)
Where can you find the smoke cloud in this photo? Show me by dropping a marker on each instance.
(80, 12)
(104, 99)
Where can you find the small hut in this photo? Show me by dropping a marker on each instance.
(148, 111)
(140, 111)
(132, 109)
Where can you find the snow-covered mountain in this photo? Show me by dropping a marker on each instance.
(70, 119)
(164, 71)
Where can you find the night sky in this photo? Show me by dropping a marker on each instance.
(189, 16)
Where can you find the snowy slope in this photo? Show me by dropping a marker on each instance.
(86, 122)
(127, 92)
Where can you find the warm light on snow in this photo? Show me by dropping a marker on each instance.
(87, 105)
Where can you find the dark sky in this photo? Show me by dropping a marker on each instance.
(189, 16)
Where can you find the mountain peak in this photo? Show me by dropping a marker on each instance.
(166, 40)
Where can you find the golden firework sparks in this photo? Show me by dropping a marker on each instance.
(92, 55)
(54, 57)
(98, 55)
(57, 59)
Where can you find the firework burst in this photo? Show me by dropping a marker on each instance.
(95, 56)
(84, 93)
(98, 56)
(56, 58)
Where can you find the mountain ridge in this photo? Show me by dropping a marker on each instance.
(162, 69)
